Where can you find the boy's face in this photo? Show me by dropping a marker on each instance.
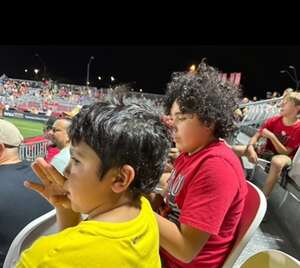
(288, 107)
(190, 134)
(85, 189)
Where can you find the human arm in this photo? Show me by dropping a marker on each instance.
(202, 205)
(184, 243)
(279, 147)
(250, 151)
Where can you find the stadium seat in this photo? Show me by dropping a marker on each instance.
(254, 211)
(294, 172)
(271, 259)
(43, 225)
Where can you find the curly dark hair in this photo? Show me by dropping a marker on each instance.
(125, 134)
(204, 93)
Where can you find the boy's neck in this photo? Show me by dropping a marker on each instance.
(208, 142)
(122, 210)
(10, 157)
(289, 120)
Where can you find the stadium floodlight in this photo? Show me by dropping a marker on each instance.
(88, 70)
(193, 68)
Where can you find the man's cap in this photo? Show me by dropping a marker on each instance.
(9, 134)
(72, 113)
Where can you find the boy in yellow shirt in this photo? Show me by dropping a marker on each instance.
(118, 153)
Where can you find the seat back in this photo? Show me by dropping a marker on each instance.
(271, 259)
(43, 225)
(254, 211)
(294, 173)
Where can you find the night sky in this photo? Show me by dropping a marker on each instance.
(150, 67)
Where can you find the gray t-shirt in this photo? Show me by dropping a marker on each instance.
(61, 160)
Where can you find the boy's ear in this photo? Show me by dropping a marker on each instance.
(123, 179)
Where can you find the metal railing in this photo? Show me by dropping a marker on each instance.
(30, 151)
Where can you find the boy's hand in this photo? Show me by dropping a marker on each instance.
(251, 155)
(173, 153)
(267, 133)
(51, 187)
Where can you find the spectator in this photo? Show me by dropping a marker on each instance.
(18, 205)
(275, 94)
(207, 188)
(59, 136)
(118, 154)
(52, 149)
(283, 139)
(268, 95)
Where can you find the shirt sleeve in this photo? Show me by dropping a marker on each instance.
(294, 141)
(268, 124)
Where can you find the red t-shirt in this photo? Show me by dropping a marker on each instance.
(207, 191)
(51, 152)
(289, 136)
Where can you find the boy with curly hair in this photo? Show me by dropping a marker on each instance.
(207, 187)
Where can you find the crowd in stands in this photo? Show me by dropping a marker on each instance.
(52, 99)
(103, 160)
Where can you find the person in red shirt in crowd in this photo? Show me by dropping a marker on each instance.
(207, 187)
(52, 149)
(283, 139)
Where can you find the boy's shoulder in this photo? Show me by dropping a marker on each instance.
(272, 121)
(216, 150)
(276, 118)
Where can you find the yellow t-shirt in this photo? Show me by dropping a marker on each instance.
(93, 244)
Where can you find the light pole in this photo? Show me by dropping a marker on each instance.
(88, 71)
(293, 77)
(43, 63)
(36, 71)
